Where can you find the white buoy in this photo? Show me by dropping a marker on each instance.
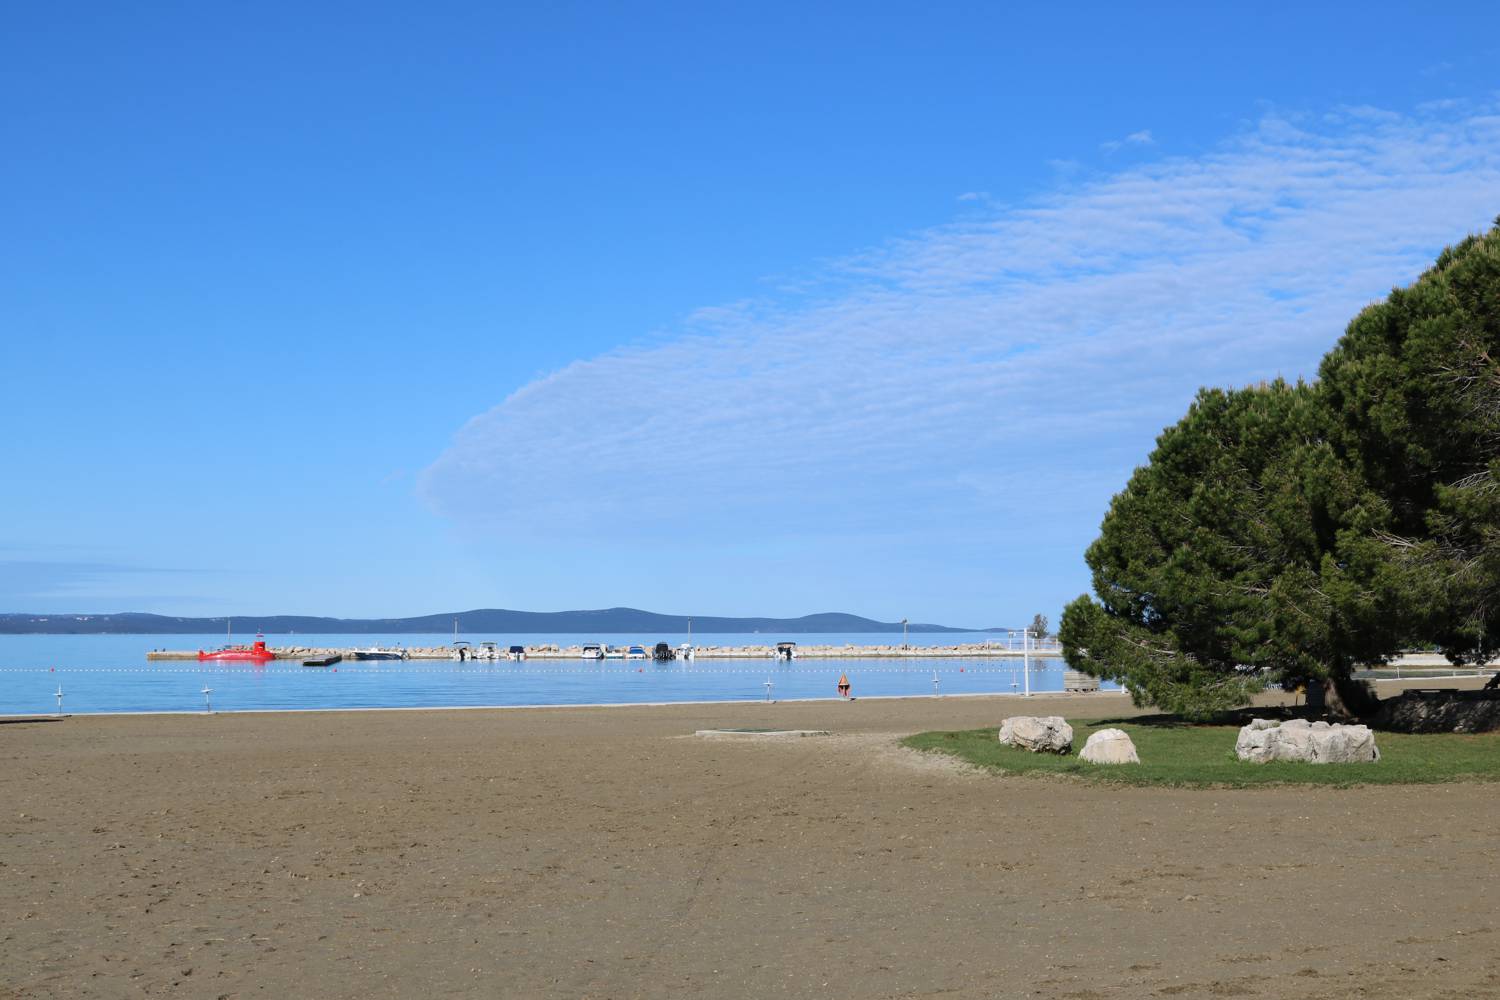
(207, 705)
(59, 699)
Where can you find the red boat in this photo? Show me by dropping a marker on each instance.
(257, 653)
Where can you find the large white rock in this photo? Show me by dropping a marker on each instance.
(1266, 740)
(1039, 734)
(1109, 746)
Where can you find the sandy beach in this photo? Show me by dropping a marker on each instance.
(578, 852)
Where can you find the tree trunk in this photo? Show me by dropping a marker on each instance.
(1343, 698)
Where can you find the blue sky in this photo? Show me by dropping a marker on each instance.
(377, 309)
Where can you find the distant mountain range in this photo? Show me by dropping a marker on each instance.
(488, 620)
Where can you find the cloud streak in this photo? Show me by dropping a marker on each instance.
(1007, 368)
(53, 585)
(1141, 138)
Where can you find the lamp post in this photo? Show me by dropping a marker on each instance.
(903, 634)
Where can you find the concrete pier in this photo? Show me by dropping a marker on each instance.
(755, 652)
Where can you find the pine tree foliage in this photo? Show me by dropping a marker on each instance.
(1413, 391)
(1215, 568)
(1285, 534)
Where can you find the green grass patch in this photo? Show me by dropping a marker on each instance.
(1186, 755)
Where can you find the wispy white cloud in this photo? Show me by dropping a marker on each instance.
(1141, 138)
(1006, 369)
(55, 585)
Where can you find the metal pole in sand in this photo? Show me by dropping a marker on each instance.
(768, 690)
(207, 705)
(59, 701)
(1026, 658)
(934, 683)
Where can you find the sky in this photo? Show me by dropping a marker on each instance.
(763, 309)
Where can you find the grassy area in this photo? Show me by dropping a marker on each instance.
(1202, 756)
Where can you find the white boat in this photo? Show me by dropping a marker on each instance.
(516, 653)
(593, 651)
(685, 651)
(786, 651)
(380, 653)
(613, 654)
(637, 653)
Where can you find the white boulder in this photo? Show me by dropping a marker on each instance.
(1265, 740)
(1109, 746)
(1039, 734)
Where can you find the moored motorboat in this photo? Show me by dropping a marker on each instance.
(257, 653)
(593, 651)
(379, 653)
(636, 653)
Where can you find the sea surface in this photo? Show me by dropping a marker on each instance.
(110, 673)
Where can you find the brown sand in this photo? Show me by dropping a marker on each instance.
(607, 853)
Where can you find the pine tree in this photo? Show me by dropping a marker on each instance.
(1286, 534)
(1217, 569)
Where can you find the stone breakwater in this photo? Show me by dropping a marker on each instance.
(552, 652)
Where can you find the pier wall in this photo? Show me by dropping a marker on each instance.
(549, 652)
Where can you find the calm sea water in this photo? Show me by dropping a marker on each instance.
(110, 673)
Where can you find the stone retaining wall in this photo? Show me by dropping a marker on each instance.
(1450, 711)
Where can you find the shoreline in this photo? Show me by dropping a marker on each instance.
(1385, 687)
(717, 703)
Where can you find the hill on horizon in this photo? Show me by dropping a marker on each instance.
(480, 620)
